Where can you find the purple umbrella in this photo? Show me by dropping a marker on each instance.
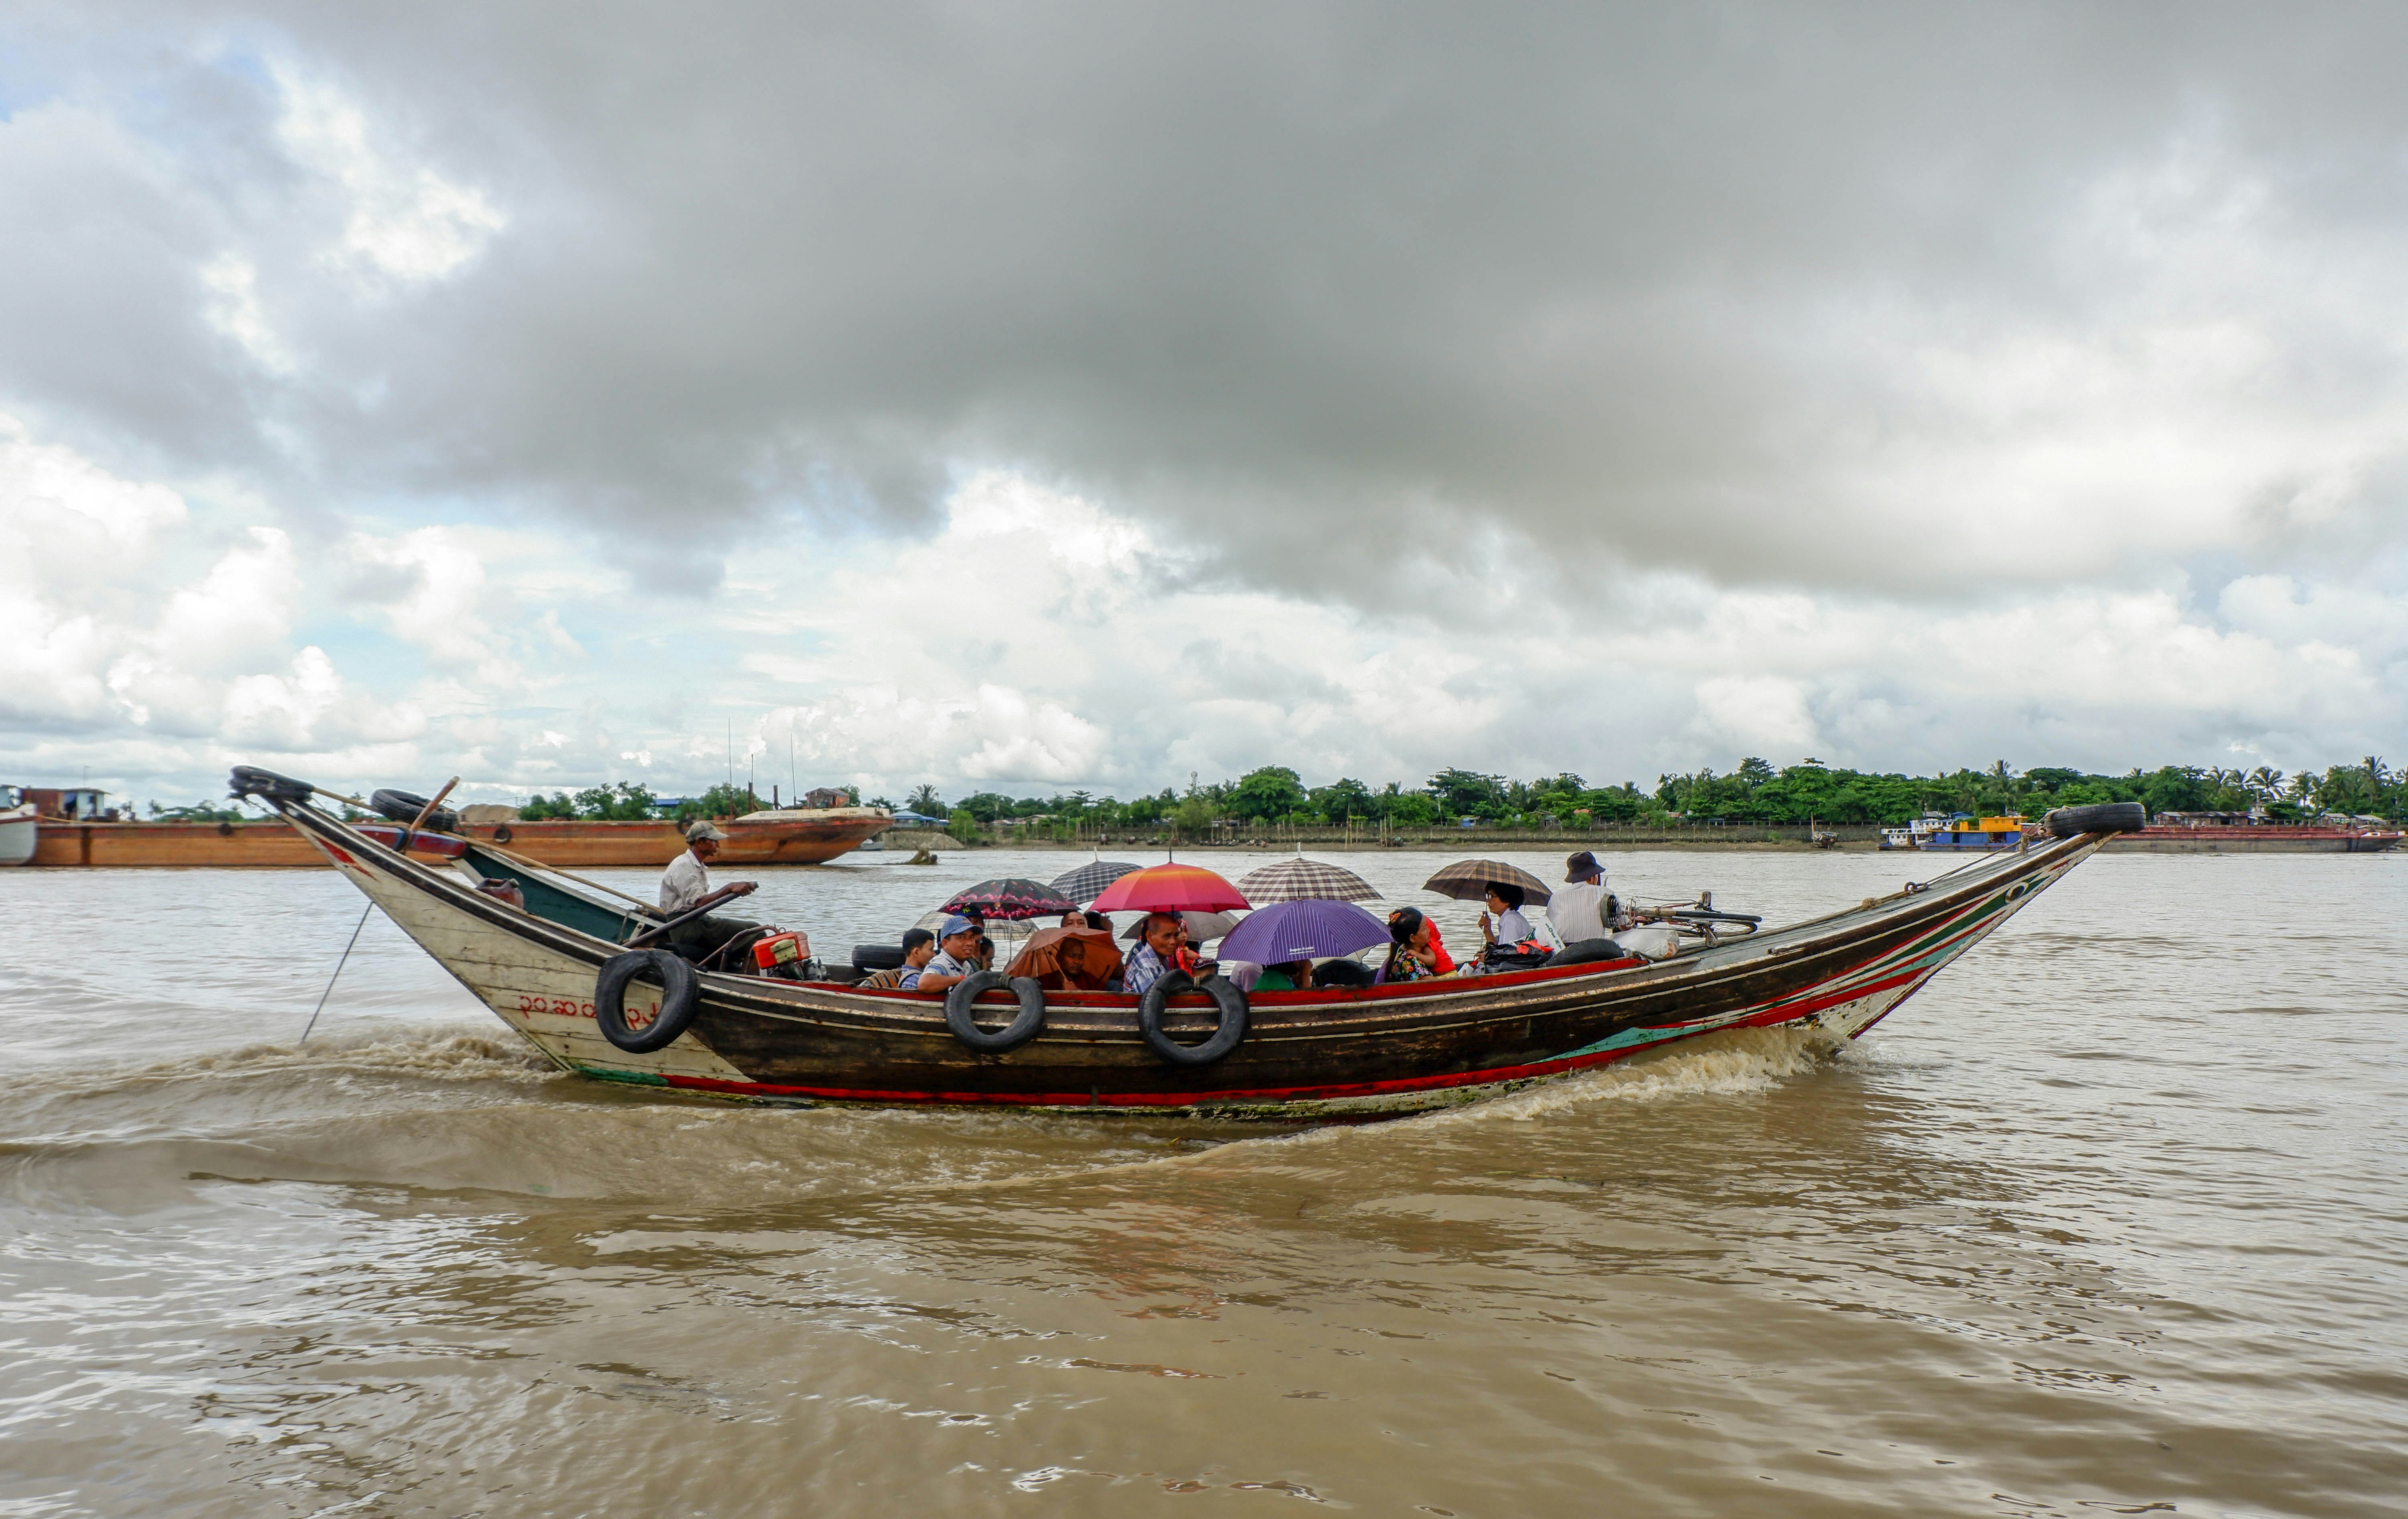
(1310, 929)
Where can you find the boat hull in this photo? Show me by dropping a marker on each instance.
(2254, 840)
(267, 842)
(1330, 1053)
(794, 837)
(19, 836)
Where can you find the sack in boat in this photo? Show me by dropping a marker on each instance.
(1650, 943)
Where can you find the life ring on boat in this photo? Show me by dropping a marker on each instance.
(502, 834)
(403, 807)
(2099, 817)
(680, 997)
(1011, 1036)
(1225, 995)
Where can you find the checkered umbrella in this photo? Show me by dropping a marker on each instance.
(1301, 880)
(1088, 881)
(1467, 881)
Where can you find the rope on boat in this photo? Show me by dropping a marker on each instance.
(339, 971)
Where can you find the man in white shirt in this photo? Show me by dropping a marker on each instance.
(1580, 909)
(685, 886)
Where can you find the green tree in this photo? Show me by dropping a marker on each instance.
(1195, 814)
(725, 800)
(541, 809)
(623, 801)
(1468, 793)
(1340, 801)
(922, 799)
(1266, 794)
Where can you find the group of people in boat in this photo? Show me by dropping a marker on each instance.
(1079, 954)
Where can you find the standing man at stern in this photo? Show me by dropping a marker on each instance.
(685, 886)
(1584, 908)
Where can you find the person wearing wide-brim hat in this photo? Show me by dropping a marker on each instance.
(1584, 908)
(686, 887)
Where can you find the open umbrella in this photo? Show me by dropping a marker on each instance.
(1081, 886)
(1012, 898)
(1303, 930)
(1041, 955)
(1467, 881)
(1203, 927)
(1299, 880)
(1169, 888)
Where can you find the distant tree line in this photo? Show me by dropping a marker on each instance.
(1754, 791)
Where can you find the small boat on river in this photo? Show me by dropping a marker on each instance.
(551, 957)
(18, 827)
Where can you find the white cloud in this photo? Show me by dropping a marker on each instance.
(234, 309)
(404, 221)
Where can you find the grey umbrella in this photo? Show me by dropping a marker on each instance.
(1088, 881)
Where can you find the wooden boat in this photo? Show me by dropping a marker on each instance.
(1332, 1054)
(19, 828)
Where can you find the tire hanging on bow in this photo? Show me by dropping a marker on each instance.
(681, 999)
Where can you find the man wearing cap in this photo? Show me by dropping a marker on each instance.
(685, 886)
(1582, 909)
(957, 956)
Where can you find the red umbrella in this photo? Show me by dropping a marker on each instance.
(1169, 888)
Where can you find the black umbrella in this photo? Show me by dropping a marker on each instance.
(1088, 881)
(1012, 898)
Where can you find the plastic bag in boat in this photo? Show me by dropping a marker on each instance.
(1653, 943)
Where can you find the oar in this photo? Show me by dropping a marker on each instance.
(426, 812)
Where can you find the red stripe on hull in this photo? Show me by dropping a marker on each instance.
(1178, 1099)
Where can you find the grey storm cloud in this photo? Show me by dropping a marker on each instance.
(1725, 288)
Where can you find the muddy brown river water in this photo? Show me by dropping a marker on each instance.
(2111, 1218)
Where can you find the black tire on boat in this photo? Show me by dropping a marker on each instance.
(1225, 995)
(403, 807)
(2099, 817)
(681, 999)
(1011, 1036)
(876, 956)
(251, 780)
(1584, 951)
(502, 834)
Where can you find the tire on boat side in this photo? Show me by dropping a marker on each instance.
(681, 999)
(403, 807)
(1011, 1036)
(2099, 817)
(1225, 995)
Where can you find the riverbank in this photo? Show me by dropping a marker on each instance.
(1454, 840)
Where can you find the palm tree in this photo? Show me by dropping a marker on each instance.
(2265, 784)
(924, 800)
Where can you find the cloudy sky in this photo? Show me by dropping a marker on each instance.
(1033, 396)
